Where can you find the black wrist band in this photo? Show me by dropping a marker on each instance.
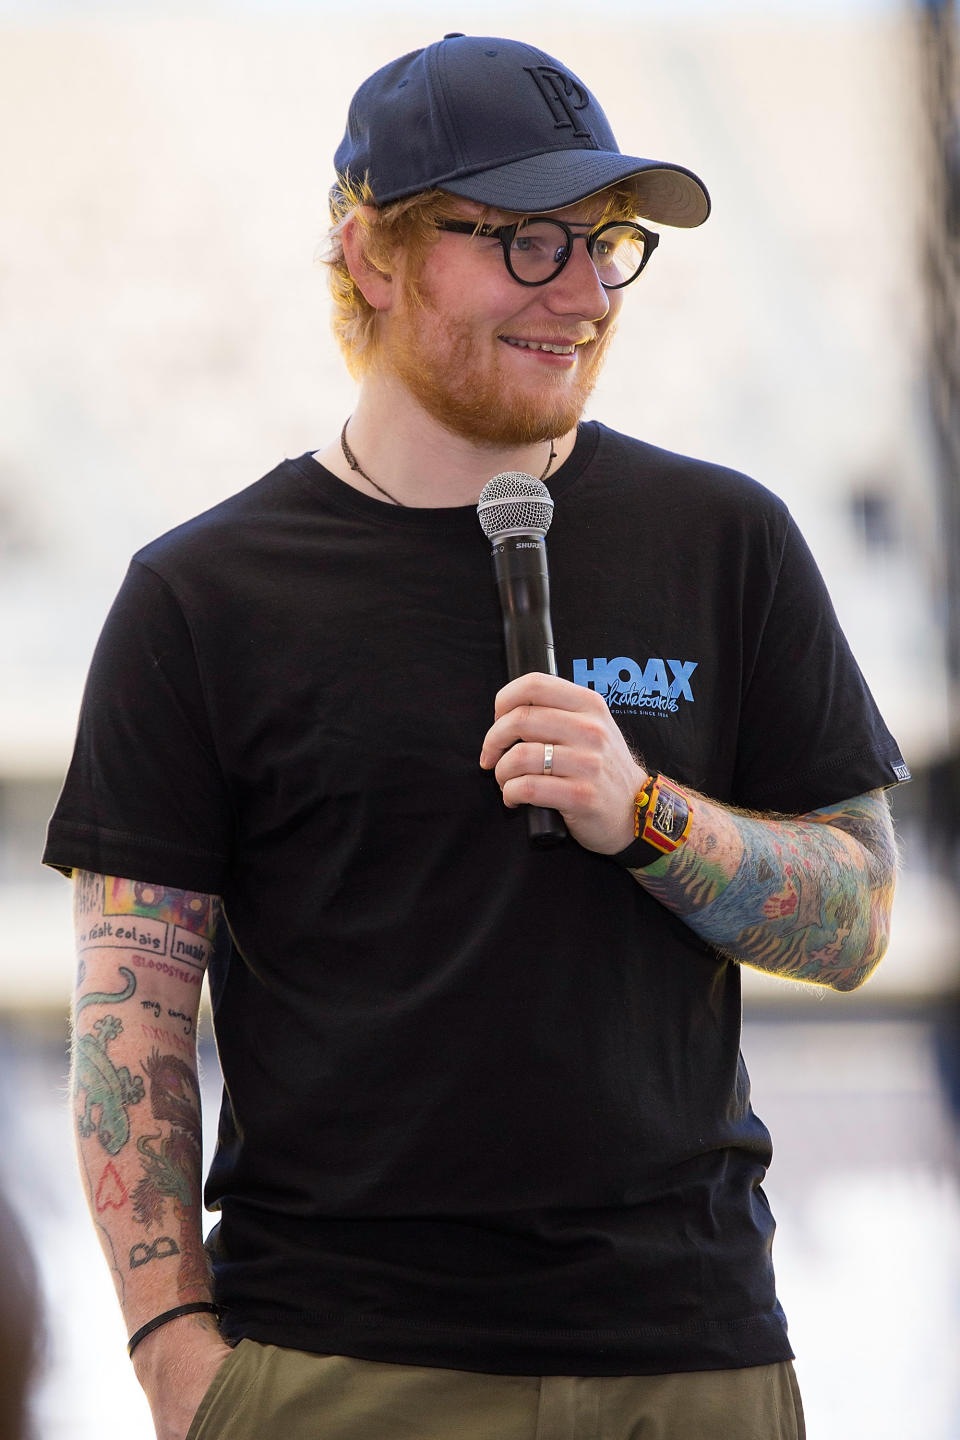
(638, 855)
(194, 1309)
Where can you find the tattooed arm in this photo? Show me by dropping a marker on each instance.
(142, 953)
(806, 897)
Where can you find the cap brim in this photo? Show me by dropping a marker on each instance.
(666, 194)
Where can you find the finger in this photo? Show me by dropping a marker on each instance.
(538, 723)
(582, 771)
(530, 759)
(543, 790)
(538, 689)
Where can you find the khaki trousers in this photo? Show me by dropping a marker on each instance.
(262, 1392)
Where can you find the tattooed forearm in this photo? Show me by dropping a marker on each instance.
(807, 898)
(137, 1099)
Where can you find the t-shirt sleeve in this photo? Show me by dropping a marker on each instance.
(144, 797)
(810, 732)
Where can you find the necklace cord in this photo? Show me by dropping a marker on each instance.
(355, 465)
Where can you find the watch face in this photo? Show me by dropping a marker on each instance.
(667, 818)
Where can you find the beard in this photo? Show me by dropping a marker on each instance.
(454, 373)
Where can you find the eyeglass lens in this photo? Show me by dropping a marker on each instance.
(539, 249)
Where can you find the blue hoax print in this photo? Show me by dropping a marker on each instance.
(659, 685)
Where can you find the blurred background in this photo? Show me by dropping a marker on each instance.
(163, 174)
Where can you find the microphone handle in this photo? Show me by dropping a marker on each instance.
(523, 584)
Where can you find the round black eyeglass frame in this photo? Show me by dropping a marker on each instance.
(506, 234)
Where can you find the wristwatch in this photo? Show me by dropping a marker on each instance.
(661, 823)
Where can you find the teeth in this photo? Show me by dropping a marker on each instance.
(541, 345)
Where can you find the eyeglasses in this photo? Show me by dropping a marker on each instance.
(535, 251)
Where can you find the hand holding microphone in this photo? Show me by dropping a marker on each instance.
(553, 745)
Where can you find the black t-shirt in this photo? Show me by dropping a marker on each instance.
(484, 1105)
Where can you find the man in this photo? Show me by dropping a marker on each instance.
(486, 1164)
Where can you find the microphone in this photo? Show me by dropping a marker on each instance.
(515, 511)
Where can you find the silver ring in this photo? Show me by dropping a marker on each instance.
(548, 759)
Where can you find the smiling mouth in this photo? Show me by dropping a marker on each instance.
(538, 345)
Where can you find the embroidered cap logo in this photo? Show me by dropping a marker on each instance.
(564, 98)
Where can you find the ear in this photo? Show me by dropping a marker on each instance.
(376, 288)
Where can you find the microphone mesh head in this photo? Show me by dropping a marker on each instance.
(514, 501)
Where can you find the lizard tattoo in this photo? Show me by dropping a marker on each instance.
(109, 1087)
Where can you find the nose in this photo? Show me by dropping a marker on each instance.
(577, 289)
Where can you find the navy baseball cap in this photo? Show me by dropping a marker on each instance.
(504, 124)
